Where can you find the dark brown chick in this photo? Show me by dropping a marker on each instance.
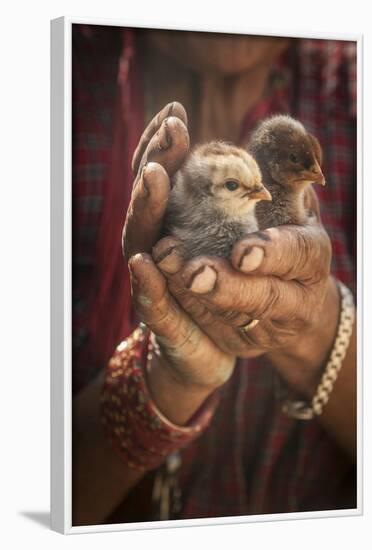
(289, 158)
(213, 200)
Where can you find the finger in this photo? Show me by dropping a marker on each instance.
(169, 261)
(220, 325)
(289, 252)
(270, 334)
(167, 255)
(173, 109)
(168, 146)
(224, 289)
(150, 192)
(146, 210)
(159, 311)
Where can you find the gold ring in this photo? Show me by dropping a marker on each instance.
(246, 328)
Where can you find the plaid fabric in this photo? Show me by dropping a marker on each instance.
(94, 71)
(252, 459)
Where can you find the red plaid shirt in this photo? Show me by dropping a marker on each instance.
(252, 459)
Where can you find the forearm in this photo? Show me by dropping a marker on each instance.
(100, 479)
(124, 426)
(302, 366)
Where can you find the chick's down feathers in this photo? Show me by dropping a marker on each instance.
(213, 199)
(289, 158)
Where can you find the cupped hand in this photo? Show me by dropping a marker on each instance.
(190, 356)
(280, 276)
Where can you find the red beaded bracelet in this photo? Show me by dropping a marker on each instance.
(137, 429)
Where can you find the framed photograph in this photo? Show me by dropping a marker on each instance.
(205, 262)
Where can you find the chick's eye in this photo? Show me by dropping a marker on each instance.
(293, 157)
(231, 185)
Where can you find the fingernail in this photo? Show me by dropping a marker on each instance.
(159, 256)
(164, 141)
(203, 280)
(251, 259)
(169, 260)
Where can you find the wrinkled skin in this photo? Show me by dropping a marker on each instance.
(278, 276)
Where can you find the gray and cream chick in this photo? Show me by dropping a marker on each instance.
(289, 158)
(213, 200)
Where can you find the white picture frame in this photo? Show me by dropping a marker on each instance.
(61, 285)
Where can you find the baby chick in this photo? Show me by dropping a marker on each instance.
(213, 199)
(289, 158)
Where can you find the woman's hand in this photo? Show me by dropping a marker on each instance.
(190, 365)
(281, 277)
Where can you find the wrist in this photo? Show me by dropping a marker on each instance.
(132, 421)
(177, 398)
(301, 363)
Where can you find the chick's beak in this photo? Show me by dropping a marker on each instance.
(261, 195)
(317, 172)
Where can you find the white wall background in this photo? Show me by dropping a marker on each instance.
(24, 288)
